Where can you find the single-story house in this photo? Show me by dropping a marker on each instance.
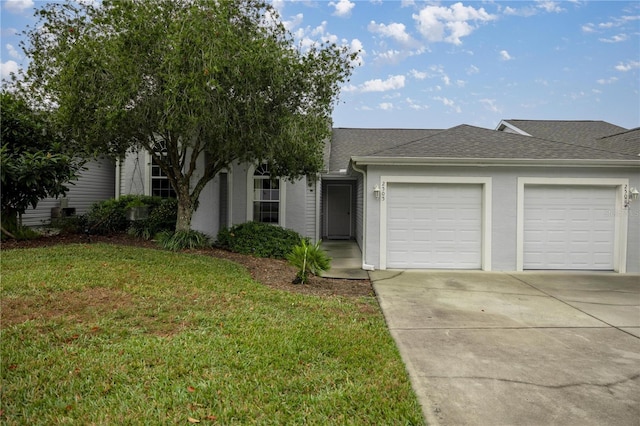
(528, 195)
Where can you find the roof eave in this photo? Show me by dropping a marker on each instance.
(530, 162)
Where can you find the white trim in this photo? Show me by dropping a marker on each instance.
(508, 162)
(486, 210)
(620, 242)
(147, 172)
(328, 209)
(283, 200)
(512, 127)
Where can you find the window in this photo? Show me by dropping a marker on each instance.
(160, 185)
(266, 196)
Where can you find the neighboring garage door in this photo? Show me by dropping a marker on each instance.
(434, 226)
(569, 227)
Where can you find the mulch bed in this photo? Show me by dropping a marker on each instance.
(274, 273)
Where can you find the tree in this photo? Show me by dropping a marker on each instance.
(209, 82)
(34, 163)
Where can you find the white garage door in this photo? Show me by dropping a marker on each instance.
(434, 226)
(569, 227)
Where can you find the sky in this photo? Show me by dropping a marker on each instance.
(439, 64)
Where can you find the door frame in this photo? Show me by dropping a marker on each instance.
(620, 223)
(484, 182)
(327, 210)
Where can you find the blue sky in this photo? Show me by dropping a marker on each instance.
(439, 64)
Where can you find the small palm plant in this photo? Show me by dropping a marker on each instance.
(309, 259)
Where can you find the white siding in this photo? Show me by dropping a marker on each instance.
(97, 183)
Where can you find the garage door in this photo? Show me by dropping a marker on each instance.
(434, 226)
(569, 227)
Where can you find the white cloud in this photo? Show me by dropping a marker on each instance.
(18, 6)
(449, 24)
(12, 51)
(549, 6)
(628, 66)
(473, 70)
(490, 104)
(615, 39)
(607, 81)
(386, 106)
(392, 83)
(378, 85)
(395, 31)
(588, 28)
(504, 55)
(418, 75)
(448, 103)
(7, 68)
(294, 22)
(343, 7)
(393, 56)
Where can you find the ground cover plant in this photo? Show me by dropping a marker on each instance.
(110, 334)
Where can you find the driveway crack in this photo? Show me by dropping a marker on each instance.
(522, 382)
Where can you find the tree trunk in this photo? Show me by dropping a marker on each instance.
(185, 209)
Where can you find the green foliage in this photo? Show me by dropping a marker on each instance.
(181, 240)
(71, 224)
(162, 217)
(212, 80)
(259, 239)
(110, 216)
(309, 259)
(34, 163)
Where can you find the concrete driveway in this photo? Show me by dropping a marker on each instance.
(488, 348)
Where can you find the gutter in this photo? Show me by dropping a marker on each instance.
(486, 162)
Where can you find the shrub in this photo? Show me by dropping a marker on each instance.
(110, 216)
(107, 217)
(162, 217)
(309, 259)
(76, 224)
(259, 239)
(183, 240)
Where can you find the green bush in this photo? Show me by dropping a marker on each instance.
(183, 240)
(76, 224)
(110, 216)
(259, 239)
(162, 217)
(309, 259)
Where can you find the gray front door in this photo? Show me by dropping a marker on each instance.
(338, 211)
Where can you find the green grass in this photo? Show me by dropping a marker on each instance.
(101, 334)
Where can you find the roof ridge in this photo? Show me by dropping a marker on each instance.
(438, 131)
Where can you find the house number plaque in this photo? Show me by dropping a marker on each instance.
(383, 191)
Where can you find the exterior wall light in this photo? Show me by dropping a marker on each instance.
(376, 192)
(633, 194)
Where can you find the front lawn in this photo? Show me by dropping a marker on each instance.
(104, 334)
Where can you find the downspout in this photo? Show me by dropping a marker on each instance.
(364, 217)
(118, 173)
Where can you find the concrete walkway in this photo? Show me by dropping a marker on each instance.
(346, 260)
(487, 348)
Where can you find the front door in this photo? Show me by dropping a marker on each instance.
(338, 211)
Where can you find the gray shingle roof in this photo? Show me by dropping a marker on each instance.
(627, 142)
(471, 142)
(346, 143)
(572, 131)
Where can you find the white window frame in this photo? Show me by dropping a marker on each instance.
(485, 182)
(620, 224)
(250, 187)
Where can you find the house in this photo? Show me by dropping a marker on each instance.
(528, 195)
(95, 183)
